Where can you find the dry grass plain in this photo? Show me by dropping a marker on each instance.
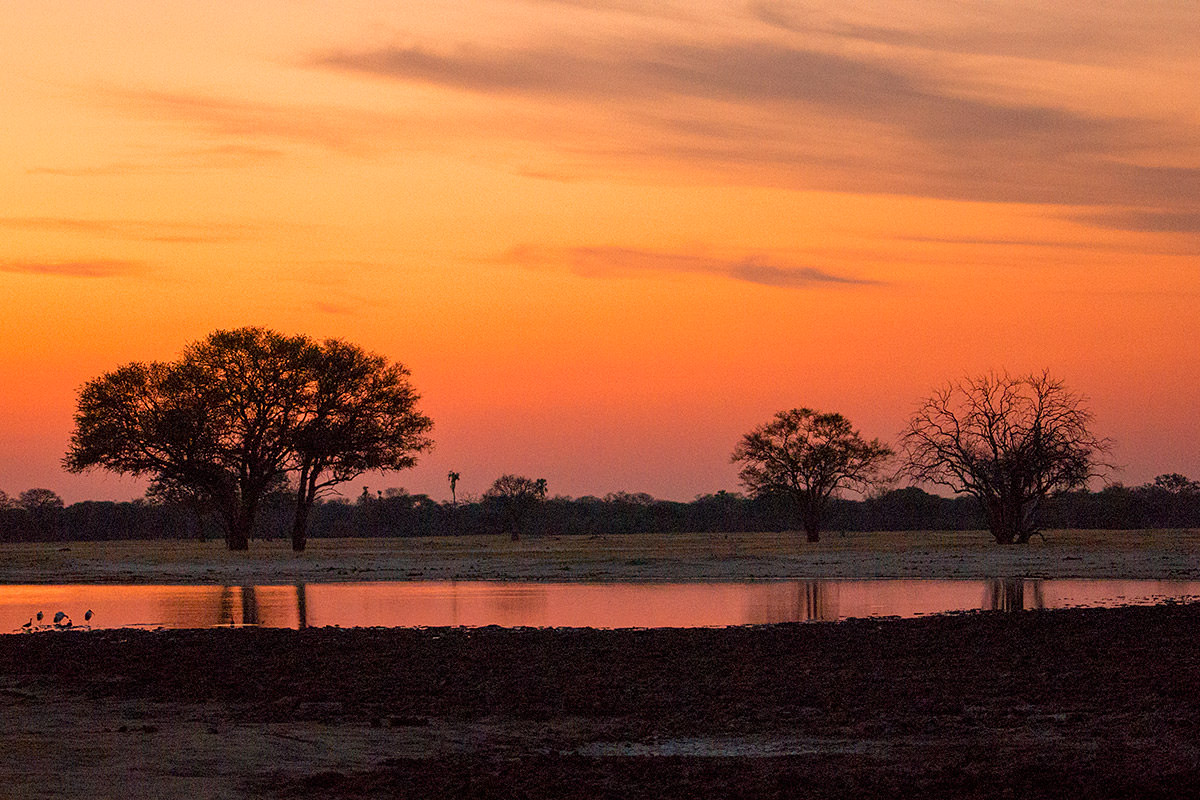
(1149, 554)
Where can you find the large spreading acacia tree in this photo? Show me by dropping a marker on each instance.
(1008, 441)
(239, 412)
(808, 456)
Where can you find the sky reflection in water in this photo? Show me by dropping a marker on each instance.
(622, 605)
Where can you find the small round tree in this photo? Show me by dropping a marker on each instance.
(517, 496)
(808, 456)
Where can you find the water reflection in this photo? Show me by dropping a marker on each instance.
(301, 607)
(476, 603)
(1014, 594)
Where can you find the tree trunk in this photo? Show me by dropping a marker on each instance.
(300, 525)
(812, 524)
(1012, 521)
(305, 496)
(1004, 519)
(240, 526)
(237, 537)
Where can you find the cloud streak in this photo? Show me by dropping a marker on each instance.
(1144, 221)
(1028, 30)
(815, 118)
(614, 262)
(235, 125)
(229, 156)
(133, 230)
(98, 268)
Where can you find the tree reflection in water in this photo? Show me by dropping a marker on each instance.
(1010, 594)
(301, 606)
(249, 606)
(236, 598)
(817, 600)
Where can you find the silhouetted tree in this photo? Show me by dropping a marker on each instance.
(44, 509)
(35, 500)
(1008, 441)
(453, 477)
(1175, 484)
(517, 497)
(226, 423)
(214, 425)
(808, 456)
(1172, 499)
(357, 414)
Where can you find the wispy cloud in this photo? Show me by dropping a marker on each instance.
(336, 309)
(657, 8)
(178, 162)
(1024, 29)
(822, 117)
(72, 269)
(234, 124)
(133, 230)
(1146, 221)
(610, 261)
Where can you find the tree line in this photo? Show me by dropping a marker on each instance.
(246, 418)
(1171, 502)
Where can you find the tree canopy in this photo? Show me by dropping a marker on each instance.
(517, 497)
(1008, 441)
(241, 411)
(808, 456)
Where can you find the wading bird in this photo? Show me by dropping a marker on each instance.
(87, 617)
(39, 616)
(29, 624)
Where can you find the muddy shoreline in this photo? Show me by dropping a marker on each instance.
(1082, 703)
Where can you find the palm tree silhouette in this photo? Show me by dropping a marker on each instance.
(453, 476)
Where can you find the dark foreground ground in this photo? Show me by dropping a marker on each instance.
(1077, 703)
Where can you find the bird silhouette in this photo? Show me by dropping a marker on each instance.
(87, 617)
(29, 624)
(39, 616)
(59, 617)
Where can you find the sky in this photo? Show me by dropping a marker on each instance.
(609, 237)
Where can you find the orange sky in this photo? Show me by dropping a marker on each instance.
(607, 236)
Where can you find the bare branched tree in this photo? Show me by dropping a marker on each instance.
(1010, 442)
(808, 456)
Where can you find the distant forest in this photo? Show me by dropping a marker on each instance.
(39, 514)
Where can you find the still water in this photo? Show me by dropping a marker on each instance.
(620, 605)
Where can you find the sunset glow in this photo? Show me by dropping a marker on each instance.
(608, 237)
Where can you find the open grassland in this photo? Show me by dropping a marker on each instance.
(1142, 554)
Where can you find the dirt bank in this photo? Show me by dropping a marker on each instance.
(1080, 703)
